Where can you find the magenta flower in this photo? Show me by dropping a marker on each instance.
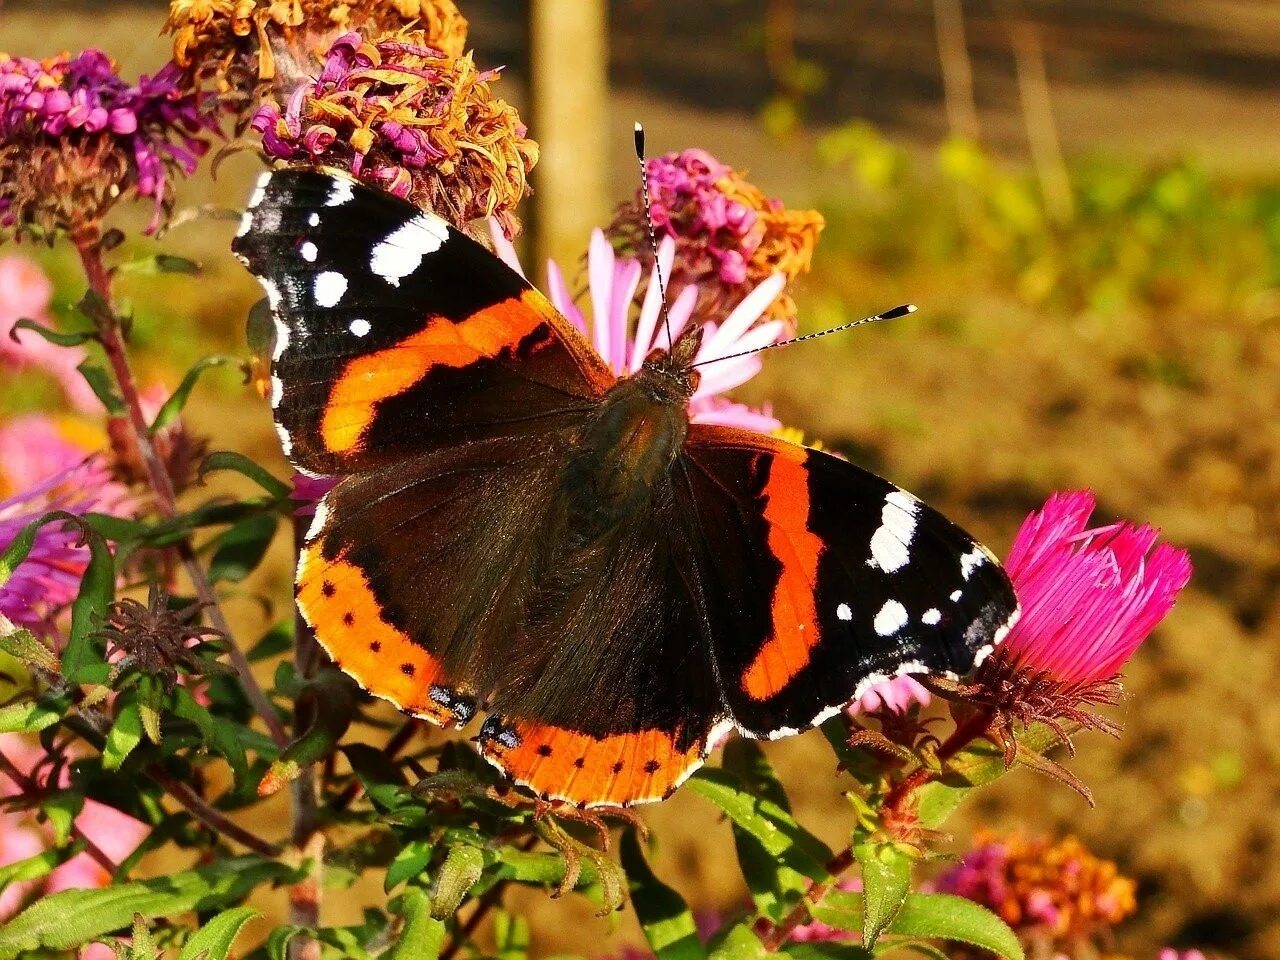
(74, 123)
(53, 475)
(897, 696)
(613, 286)
(1089, 597)
(1169, 953)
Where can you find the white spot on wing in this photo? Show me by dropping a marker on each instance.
(891, 618)
(273, 293)
(313, 219)
(342, 192)
(259, 191)
(972, 560)
(401, 253)
(359, 326)
(329, 288)
(956, 595)
(890, 544)
(246, 223)
(844, 612)
(309, 252)
(318, 521)
(277, 391)
(286, 442)
(932, 617)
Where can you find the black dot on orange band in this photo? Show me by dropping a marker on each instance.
(375, 645)
(617, 767)
(327, 588)
(652, 766)
(544, 749)
(349, 618)
(580, 762)
(406, 669)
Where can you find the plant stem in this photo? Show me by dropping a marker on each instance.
(210, 816)
(775, 936)
(963, 735)
(109, 334)
(30, 788)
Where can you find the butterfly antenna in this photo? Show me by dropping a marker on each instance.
(894, 314)
(653, 237)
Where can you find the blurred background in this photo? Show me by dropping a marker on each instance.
(1083, 196)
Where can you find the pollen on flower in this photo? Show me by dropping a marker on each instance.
(397, 113)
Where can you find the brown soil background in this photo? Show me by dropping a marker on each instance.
(977, 403)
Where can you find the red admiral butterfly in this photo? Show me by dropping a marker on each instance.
(518, 530)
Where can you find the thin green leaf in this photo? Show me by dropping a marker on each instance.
(775, 828)
(511, 936)
(239, 550)
(73, 339)
(667, 922)
(28, 716)
(214, 940)
(125, 734)
(277, 640)
(277, 945)
(61, 810)
(948, 917)
(840, 910)
(238, 462)
(220, 735)
(26, 647)
(423, 934)
(32, 868)
(102, 386)
(172, 407)
(409, 862)
(886, 882)
(827, 951)
(72, 918)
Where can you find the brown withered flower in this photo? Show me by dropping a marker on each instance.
(156, 640)
(397, 114)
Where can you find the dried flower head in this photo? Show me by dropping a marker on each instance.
(156, 640)
(1056, 895)
(730, 236)
(251, 47)
(1089, 598)
(420, 125)
(75, 138)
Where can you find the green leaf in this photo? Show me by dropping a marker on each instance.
(840, 910)
(25, 646)
(61, 810)
(28, 716)
(510, 936)
(775, 828)
(740, 944)
(32, 868)
(102, 386)
(66, 920)
(410, 862)
(886, 882)
(125, 734)
(462, 868)
(213, 940)
(775, 887)
(948, 917)
(856, 761)
(277, 945)
(665, 918)
(239, 463)
(220, 735)
(423, 934)
(827, 951)
(277, 640)
(239, 550)
(172, 407)
(74, 339)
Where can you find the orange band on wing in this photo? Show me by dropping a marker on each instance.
(795, 619)
(614, 770)
(336, 601)
(375, 377)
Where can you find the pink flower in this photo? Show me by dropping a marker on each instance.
(818, 932)
(613, 286)
(1089, 597)
(1169, 953)
(896, 695)
(26, 293)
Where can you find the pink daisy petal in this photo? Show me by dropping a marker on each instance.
(600, 261)
(503, 247)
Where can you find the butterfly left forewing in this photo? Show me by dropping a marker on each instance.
(818, 579)
(397, 334)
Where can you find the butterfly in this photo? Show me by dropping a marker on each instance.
(519, 531)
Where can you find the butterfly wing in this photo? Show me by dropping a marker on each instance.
(397, 334)
(444, 584)
(817, 579)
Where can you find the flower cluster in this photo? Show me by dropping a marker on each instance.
(1089, 598)
(1056, 892)
(75, 137)
(399, 114)
(242, 44)
(730, 236)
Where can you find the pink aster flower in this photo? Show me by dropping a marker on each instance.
(613, 286)
(897, 696)
(54, 475)
(1089, 596)
(26, 293)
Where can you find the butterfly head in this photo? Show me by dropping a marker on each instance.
(670, 374)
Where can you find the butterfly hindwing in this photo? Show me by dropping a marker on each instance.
(396, 333)
(819, 578)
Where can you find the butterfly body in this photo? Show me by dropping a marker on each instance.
(520, 531)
